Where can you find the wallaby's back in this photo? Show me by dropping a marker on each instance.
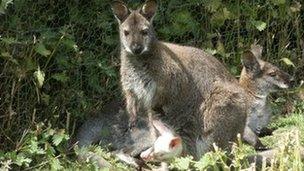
(110, 127)
(97, 128)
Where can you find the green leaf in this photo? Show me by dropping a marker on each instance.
(211, 51)
(4, 4)
(34, 148)
(59, 137)
(204, 162)
(234, 70)
(39, 77)
(62, 77)
(55, 164)
(45, 98)
(213, 5)
(220, 48)
(40, 48)
(227, 14)
(9, 40)
(278, 2)
(183, 163)
(183, 23)
(7, 56)
(71, 44)
(288, 62)
(21, 160)
(260, 25)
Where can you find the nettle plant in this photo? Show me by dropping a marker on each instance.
(42, 147)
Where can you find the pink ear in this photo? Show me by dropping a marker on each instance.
(176, 141)
(160, 127)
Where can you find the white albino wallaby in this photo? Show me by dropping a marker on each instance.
(166, 146)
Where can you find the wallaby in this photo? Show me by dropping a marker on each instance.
(166, 146)
(110, 129)
(164, 78)
(259, 78)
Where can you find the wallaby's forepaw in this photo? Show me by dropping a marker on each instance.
(261, 147)
(265, 132)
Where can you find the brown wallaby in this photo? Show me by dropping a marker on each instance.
(165, 78)
(259, 78)
(110, 129)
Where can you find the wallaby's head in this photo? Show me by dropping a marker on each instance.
(135, 26)
(165, 147)
(260, 75)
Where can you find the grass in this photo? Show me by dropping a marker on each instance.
(45, 148)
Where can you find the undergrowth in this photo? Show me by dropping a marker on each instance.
(59, 63)
(45, 148)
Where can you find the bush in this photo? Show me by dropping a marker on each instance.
(59, 59)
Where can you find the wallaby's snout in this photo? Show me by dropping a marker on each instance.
(137, 48)
(286, 79)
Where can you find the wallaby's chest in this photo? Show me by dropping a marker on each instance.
(137, 79)
(259, 115)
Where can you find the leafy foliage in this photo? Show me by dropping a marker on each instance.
(59, 63)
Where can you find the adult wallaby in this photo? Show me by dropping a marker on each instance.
(259, 78)
(110, 129)
(165, 78)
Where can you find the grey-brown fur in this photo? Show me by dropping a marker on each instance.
(184, 85)
(259, 78)
(110, 129)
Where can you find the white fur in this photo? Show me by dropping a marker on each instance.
(161, 150)
(162, 146)
(125, 45)
(282, 85)
(144, 92)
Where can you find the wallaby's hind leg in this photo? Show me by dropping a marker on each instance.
(224, 117)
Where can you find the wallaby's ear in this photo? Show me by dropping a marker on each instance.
(148, 10)
(160, 127)
(251, 63)
(176, 141)
(256, 49)
(120, 10)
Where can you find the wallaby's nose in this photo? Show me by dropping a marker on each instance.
(136, 48)
(289, 80)
(292, 82)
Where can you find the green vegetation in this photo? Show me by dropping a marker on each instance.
(59, 63)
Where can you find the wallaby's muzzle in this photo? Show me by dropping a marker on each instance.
(288, 80)
(136, 48)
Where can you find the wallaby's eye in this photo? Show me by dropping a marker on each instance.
(144, 32)
(126, 33)
(272, 74)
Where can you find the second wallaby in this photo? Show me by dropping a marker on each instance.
(259, 78)
(110, 129)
